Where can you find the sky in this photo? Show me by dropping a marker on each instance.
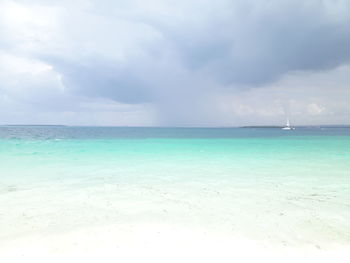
(174, 62)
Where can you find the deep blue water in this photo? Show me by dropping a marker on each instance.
(69, 132)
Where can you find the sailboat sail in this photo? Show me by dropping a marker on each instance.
(287, 127)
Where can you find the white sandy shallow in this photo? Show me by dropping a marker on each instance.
(135, 223)
(107, 219)
(157, 243)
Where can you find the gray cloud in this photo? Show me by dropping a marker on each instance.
(180, 57)
(105, 80)
(265, 41)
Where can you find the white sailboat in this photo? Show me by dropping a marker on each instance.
(288, 127)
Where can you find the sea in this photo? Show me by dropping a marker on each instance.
(163, 193)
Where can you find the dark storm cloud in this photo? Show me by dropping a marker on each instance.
(252, 43)
(264, 43)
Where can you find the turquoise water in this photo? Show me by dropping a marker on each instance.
(283, 187)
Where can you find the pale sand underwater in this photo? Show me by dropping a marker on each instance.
(226, 198)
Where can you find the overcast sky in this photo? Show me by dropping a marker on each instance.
(174, 62)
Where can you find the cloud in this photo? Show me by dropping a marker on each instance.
(307, 97)
(174, 61)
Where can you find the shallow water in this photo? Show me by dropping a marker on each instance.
(289, 188)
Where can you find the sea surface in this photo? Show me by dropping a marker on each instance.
(271, 186)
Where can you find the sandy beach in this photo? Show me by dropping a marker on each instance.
(157, 243)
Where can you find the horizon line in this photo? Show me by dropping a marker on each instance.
(149, 126)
